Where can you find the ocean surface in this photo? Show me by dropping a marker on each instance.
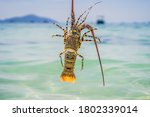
(30, 67)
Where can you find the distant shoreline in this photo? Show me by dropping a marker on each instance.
(28, 19)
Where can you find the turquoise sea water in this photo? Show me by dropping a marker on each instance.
(30, 67)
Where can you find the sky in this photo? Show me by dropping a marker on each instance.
(112, 10)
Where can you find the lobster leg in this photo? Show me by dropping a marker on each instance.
(57, 35)
(84, 34)
(87, 40)
(82, 60)
(61, 57)
(90, 37)
(89, 31)
(84, 26)
(65, 31)
(67, 24)
(59, 26)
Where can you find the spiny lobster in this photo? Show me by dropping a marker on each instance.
(72, 41)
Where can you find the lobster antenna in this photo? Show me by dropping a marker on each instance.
(86, 11)
(80, 16)
(99, 58)
(72, 14)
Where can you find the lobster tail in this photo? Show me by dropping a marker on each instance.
(68, 72)
(68, 77)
